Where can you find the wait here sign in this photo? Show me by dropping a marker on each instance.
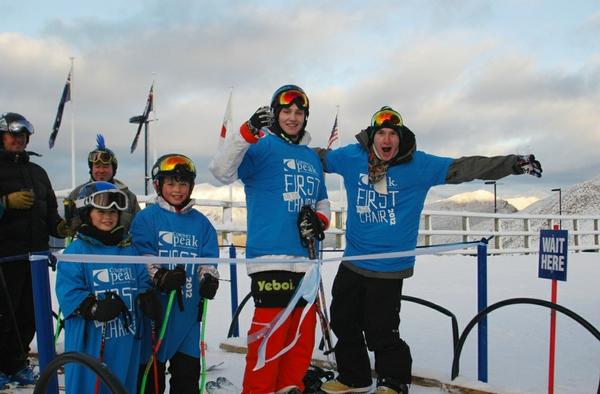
(553, 254)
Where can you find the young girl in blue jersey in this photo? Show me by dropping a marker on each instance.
(281, 174)
(170, 227)
(98, 299)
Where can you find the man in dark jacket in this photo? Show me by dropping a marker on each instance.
(30, 215)
(387, 180)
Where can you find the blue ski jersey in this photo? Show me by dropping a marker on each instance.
(279, 178)
(379, 223)
(74, 282)
(159, 232)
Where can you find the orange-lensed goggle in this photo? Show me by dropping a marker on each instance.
(290, 96)
(386, 117)
(170, 163)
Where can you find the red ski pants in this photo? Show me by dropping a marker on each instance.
(287, 370)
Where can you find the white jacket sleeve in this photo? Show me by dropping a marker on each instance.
(229, 156)
(324, 212)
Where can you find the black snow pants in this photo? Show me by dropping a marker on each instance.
(185, 375)
(17, 283)
(368, 309)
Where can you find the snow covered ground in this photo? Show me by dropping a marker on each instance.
(518, 334)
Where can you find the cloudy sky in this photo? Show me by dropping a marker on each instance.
(469, 76)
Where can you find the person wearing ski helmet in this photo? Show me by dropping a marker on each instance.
(282, 176)
(30, 216)
(169, 226)
(386, 166)
(103, 164)
(98, 300)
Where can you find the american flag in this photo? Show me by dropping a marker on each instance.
(334, 133)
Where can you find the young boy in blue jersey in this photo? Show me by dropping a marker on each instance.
(280, 175)
(98, 299)
(170, 227)
(386, 182)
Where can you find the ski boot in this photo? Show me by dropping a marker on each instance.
(4, 380)
(25, 376)
(390, 386)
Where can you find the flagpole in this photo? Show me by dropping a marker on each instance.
(72, 128)
(339, 143)
(153, 143)
(228, 126)
(146, 141)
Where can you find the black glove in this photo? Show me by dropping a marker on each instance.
(263, 117)
(106, 309)
(527, 164)
(309, 225)
(209, 283)
(151, 306)
(168, 280)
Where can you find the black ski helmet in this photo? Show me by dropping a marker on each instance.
(102, 154)
(175, 165)
(14, 123)
(284, 97)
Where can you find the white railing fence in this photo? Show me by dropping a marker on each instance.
(516, 233)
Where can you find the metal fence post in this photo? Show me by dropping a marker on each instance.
(482, 342)
(40, 281)
(234, 292)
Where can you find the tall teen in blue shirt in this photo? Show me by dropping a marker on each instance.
(386, 182)
(280, 175)
(101, 297)
(170, 227)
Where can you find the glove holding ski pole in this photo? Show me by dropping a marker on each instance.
(105, 309)
(209, 281)
(310, 228)
(168, 280)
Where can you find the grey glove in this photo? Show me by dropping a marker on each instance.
(527, 164)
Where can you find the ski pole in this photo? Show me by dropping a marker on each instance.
(101, 358)
(307, 237)
(60, 323)
(203, 346)
(323, 321)
(156, 346)
(154, 358)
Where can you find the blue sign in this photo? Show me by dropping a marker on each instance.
(553, 254)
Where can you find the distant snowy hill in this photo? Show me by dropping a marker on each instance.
(581, 199)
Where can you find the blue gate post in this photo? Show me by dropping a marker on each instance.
(40, 282)
(482, 342)
(234, 293)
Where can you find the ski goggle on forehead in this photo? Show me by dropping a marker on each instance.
(100, 157)
(290, 96)
(386, 117)
(16, 126)
(170, 163)
(105, 199)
